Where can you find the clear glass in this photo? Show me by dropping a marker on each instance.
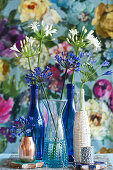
(55, 146)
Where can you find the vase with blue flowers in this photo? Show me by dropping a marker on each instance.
(35, 79)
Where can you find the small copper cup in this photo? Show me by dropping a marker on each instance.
(27, 149)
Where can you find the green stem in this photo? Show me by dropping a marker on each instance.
(48, 105)
(40, 48)
(63, 83)
(73, 70)
(29, 62)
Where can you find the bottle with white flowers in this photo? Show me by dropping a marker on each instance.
(81, 130)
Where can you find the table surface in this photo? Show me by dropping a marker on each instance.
(98, 157)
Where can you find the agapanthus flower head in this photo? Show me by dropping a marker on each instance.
(69, 61)
(45, 31)
(83, 39)
(38, 76)
(21, 126)
(27, 49)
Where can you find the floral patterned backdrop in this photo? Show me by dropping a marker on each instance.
(15, 15)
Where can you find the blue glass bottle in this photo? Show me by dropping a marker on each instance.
(37, 122)
(68, 119)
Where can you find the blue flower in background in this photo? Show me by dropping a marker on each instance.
(81, 14)
(108, 54)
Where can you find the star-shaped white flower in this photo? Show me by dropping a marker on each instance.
(49, 30)
(34, 26)
(14, 48)
(94, 41)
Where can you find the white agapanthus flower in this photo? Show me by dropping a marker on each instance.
(14, 48)
(26, 47)
(34, 26)
(49, 30)
(93, 41)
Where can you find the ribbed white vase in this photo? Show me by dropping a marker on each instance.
(81, 130)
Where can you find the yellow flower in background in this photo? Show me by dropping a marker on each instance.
(104, 20)
(98, 114)
(4, 70)
(33, 9)
(51, 17)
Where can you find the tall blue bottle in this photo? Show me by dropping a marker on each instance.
(68, 119)
(37, 122)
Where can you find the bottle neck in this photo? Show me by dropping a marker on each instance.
(80, 101)
(70, 92)
(34, 94)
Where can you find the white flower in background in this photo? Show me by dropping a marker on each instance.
(49, 30)
(51, 17)
(34, 26)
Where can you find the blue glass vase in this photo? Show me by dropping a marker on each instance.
(68, 120)
(55, 146)
(36, 122)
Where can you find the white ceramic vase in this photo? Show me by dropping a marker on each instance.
(81, 130)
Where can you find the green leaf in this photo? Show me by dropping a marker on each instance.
(88, 92)
(3, 4)
(11, 88)
(12, 15)
(3, 143)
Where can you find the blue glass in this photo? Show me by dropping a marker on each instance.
(38, 125)
(68, 119)
(55, 146)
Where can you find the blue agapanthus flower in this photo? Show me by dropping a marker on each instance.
(19, 126)
(108, 72)
(38, 76)
(69, 61)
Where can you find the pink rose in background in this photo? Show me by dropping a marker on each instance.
(63, 47)
(111, 101)
(5, 108)
(102, 89)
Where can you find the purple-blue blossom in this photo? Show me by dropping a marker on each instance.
(108, 72)
(68, 61)
(105, 63)
(38, 76)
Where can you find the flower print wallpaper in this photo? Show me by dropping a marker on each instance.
(15, 16)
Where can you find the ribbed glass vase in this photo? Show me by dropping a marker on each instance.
(37, 122)
(55, 146)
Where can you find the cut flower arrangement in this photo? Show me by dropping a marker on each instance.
(80, 61)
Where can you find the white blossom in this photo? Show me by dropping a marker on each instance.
(94, 41)
(49, 31)
(30, 40)
(34, 26)
(14, 48)
(84, 29)
(73, 32)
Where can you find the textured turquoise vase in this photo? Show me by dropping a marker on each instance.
(37, 122)
(68, 119)
(55, 153)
